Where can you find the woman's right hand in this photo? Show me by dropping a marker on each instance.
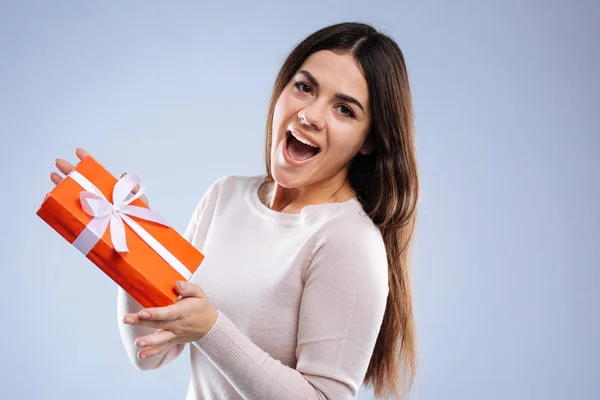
(66, 167)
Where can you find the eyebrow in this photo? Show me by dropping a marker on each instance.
(340, 96)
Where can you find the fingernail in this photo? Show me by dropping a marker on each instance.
(142, 356)
(144, 314)
(142, 344)
(182, 285)
(128, 320)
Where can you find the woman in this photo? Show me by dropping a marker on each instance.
(304, 292)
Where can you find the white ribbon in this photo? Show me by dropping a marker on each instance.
(94, 203)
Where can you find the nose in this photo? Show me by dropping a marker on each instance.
(312, 116)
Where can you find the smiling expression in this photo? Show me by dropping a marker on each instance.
(326, 107)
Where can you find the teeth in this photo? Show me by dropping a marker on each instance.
(305, 141)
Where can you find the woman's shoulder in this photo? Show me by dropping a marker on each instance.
(232, 183)
(351, 245)
(352, 230)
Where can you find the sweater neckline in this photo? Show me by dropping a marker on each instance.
(263, 210)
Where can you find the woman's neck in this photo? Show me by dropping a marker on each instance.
(292, 201)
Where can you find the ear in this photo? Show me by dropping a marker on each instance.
(368, 146)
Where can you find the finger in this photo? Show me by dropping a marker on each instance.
(159, 337)
(55, 178)
(131, 318)
(152, 351)
(135, 319)
(167, 325)
(63, 166)
(66, 167)
(81, 153)
(168, 313)
(188, 289)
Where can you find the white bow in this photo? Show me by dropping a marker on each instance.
(95, 204)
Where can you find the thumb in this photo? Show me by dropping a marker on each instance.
(187, 289)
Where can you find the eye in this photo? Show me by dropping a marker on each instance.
(303, 87)
(346, 111)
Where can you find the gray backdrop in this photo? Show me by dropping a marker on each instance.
(506, 100)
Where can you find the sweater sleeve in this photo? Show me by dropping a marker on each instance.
(127, 304)
(341, 311)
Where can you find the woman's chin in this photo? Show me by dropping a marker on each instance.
(286, 179)
(290, 178)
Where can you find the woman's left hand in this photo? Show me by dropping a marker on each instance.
(188, 320)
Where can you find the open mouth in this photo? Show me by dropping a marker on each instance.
(300, 149)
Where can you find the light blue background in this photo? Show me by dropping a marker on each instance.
(507, 102)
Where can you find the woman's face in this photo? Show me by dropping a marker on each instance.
(320, 122)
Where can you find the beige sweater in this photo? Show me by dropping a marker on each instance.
(300, 298)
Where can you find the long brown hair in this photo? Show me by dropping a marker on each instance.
(386, 182)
